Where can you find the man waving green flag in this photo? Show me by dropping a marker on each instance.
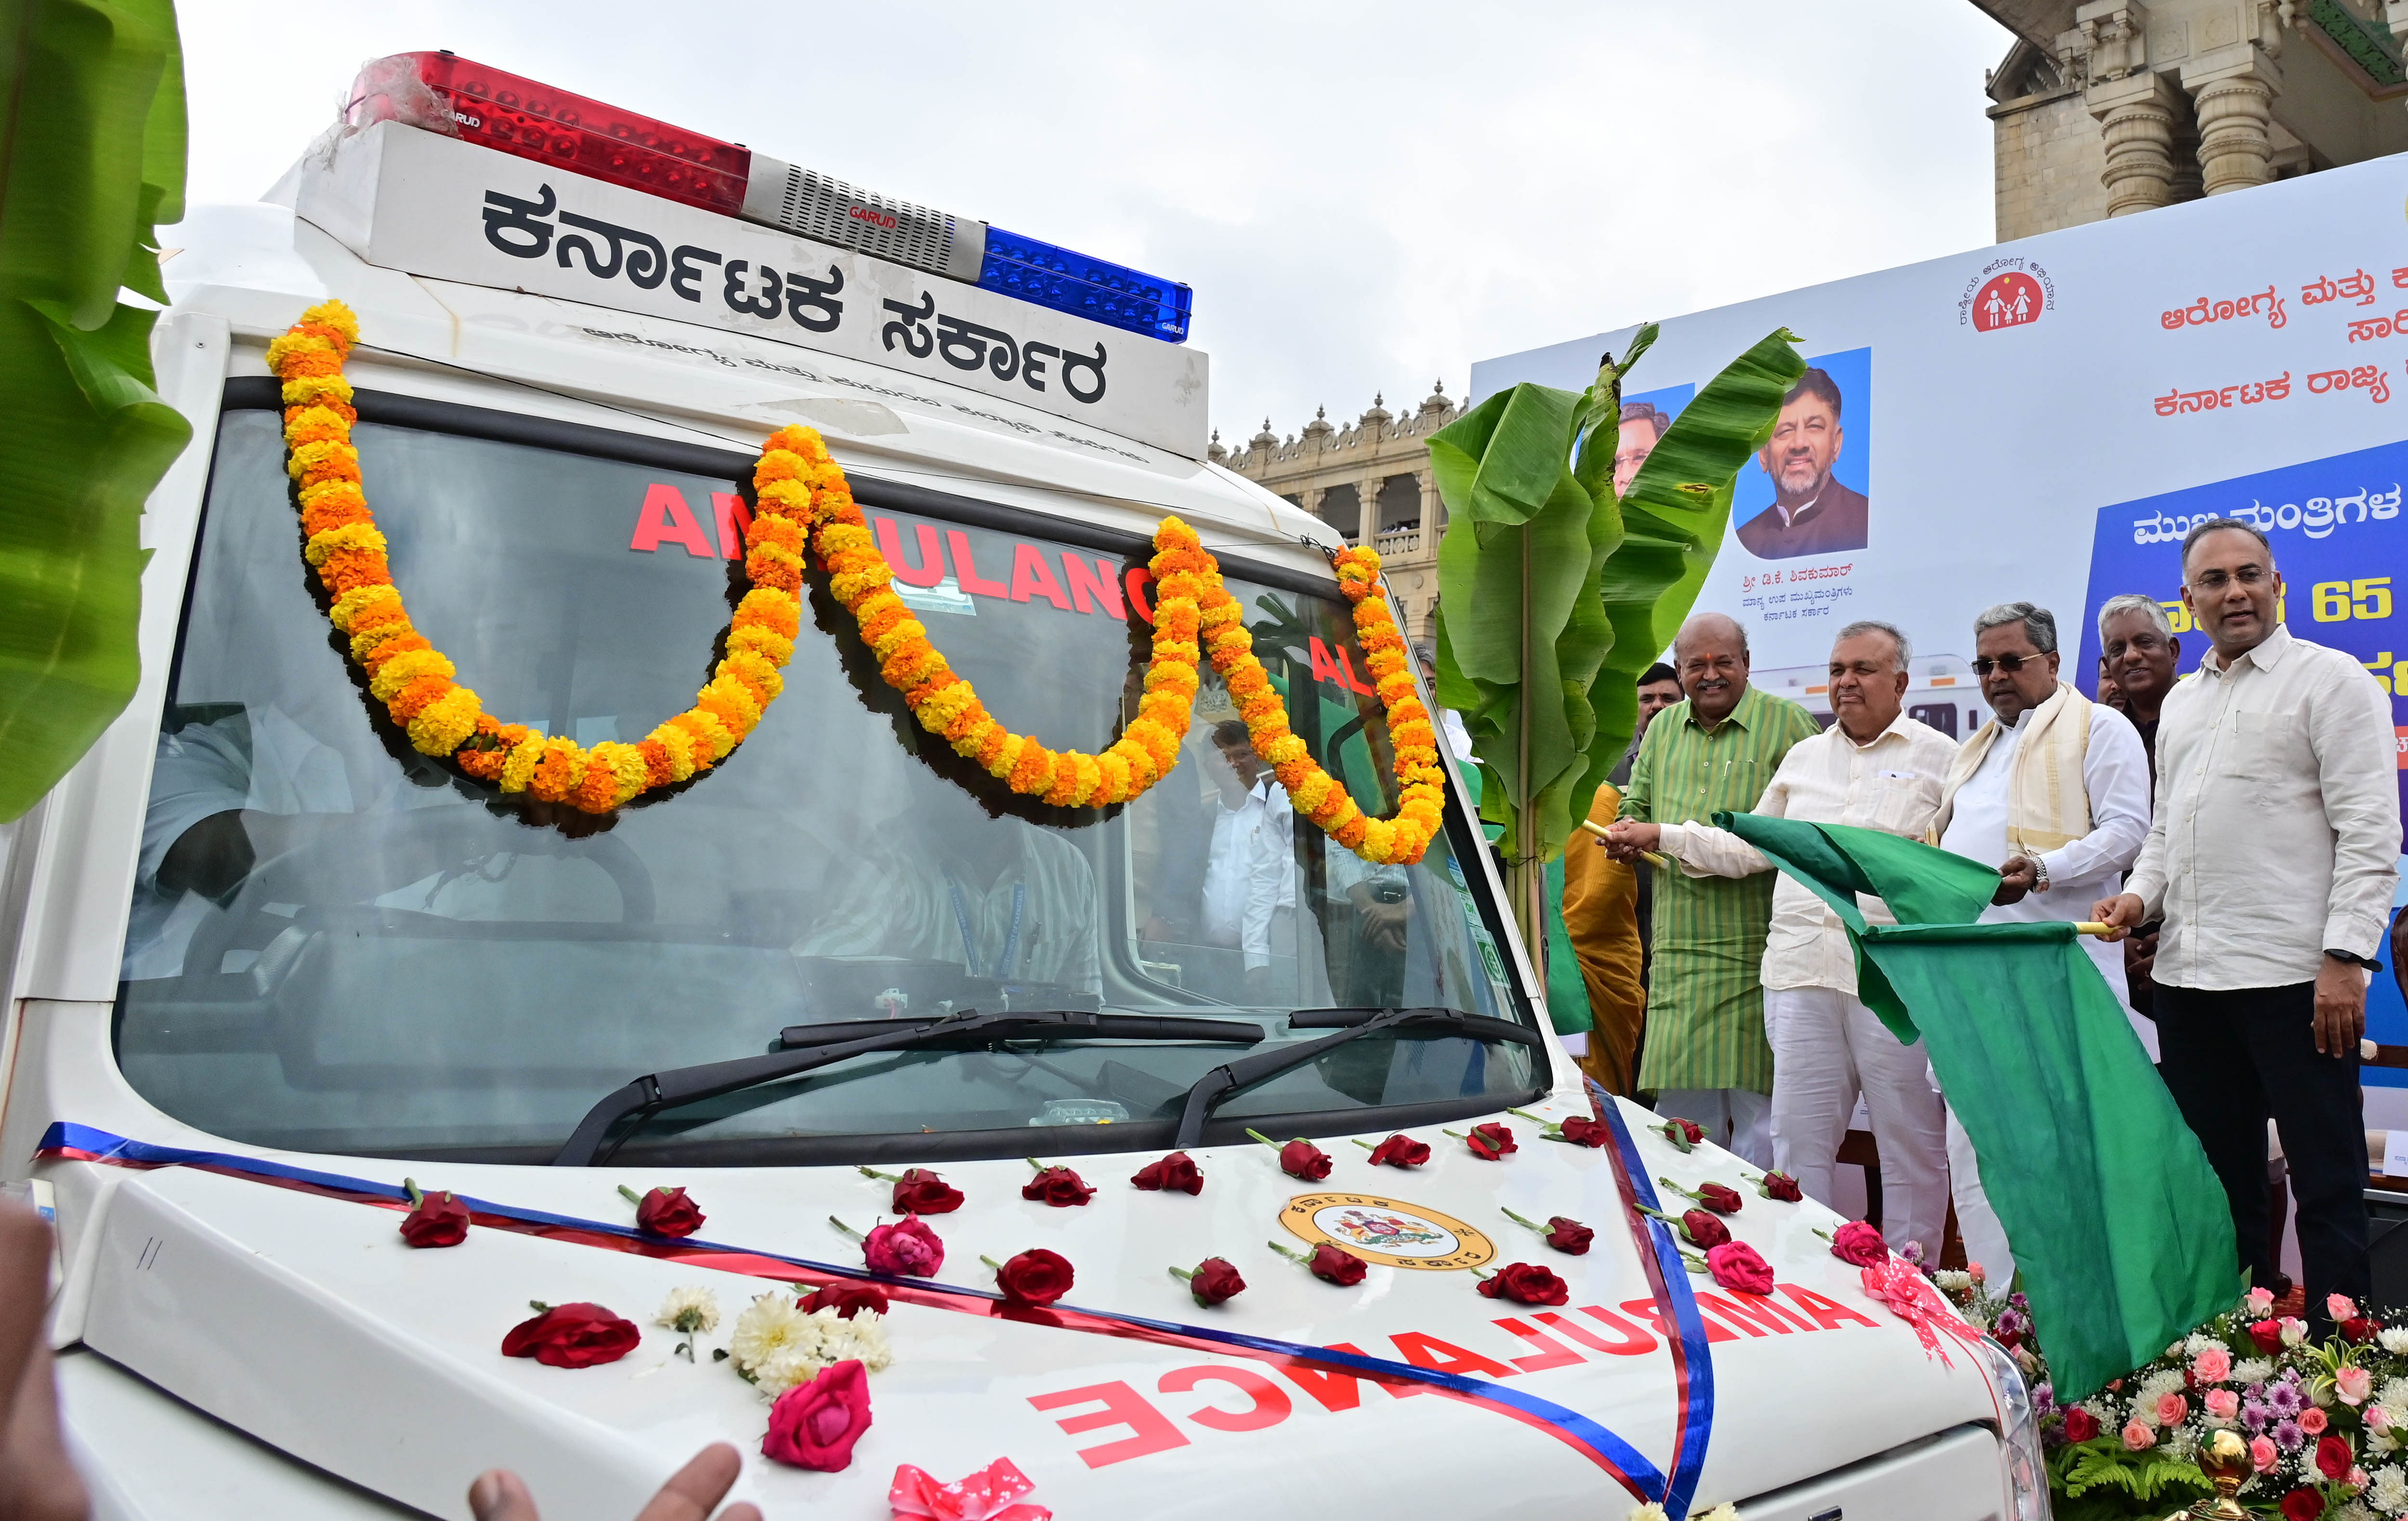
(2119, 1224)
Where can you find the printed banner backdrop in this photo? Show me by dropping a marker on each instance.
(2053, 414)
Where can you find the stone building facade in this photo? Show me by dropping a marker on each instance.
(1371, 481)
(2111, 106)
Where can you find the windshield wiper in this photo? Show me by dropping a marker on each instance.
(1222, 1080)
(708, 1079)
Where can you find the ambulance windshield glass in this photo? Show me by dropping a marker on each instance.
(337, 944)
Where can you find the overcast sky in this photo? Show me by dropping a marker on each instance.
(1365, 197)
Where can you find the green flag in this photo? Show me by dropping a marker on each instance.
(2119, 1226)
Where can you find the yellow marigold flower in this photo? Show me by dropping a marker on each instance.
(335, 314)
(895, 639)
(441, 725)
(846, 588)
(402, 670)
(520, 765)
(767, 643)
(368, 638)
(679, 745)
(304, 390)
(322, 456)
(1287, 747)
(749, 667)
(351, 536)
(771, 607)
(357, 600)
(1309, 796)
(291, 345)
(791, 498)
(1007, 757)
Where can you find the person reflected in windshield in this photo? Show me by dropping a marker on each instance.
(946, 881)
(1250, 876)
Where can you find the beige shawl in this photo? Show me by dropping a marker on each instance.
(2048, 804)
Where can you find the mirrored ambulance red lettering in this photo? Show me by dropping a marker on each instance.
(1566, 1340)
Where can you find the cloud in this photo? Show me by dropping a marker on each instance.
(1364, 197)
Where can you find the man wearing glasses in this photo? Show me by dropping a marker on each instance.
(2272, 859)
(2054, 790)
(2139, 653)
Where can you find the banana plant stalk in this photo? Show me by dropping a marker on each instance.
(1549, 582)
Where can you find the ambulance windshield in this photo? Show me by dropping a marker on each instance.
(337, 944)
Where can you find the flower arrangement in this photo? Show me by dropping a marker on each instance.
(776, 1344)
(2322, 1423)
(806, 504)
(413, 678)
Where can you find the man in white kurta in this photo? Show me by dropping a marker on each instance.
(2054, 791)
(1878, 770)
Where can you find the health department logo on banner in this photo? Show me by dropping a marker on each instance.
(2008, 293)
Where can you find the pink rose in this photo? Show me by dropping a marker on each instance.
(2223, 1405)
(2353, 1384)
(2172, 1409)
(2263, 1454)
(2313, 1421)
(909, 1249)
(814, 1424)
(2214, 1366)
(2138, 1437)
(2294, 1330)
(2341, 1307)
(1859, 1244)
(2260, 1301)
(1975, 1271)
(2378, 1418)
(1737, 1265)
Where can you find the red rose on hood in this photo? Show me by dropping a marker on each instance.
(2333, 1457)
(1781, 1185)
(2080, 1425)
(440, 1220)
(1525, 1283)
(2303, 1504)
(1720, 1198)
(1583, 1131)
(1332, 1265)
(1568, 1236)
(1301, 1160)
(814, 1424)
(846, 1299)
(1736, 1265)
(1035, 1277)
(576, 1335)
(1215, 1279)
(1682, 1133)
(1058, 1186)
(667, 1211)
(1490, 1141)
(920, 1191)
(1177, 1172)
(906, 1249)
(1704, 1229)
(2268, 1334)
(1860, 1244)
(1399, 1150)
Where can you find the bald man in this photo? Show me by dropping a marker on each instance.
(1706, 1057)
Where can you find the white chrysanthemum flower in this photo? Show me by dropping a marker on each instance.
(690, 1310)
(2393, 1393)
(771, 1328)
(2388, 1489)
(1649, 1511)
(862, 1338)
(786, 1367)
(2380, 1443)
(2352, 1511)
(2201, 1342)
(2253, 1371)
(2179, 1442)
(1720, 1512)
(2394, 1340)
(2165, 1381)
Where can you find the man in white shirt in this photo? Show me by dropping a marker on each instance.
(2054, 790)
(1249, 875)
(1877, 768)
(2272, 858)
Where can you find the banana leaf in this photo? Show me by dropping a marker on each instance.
(91, 157)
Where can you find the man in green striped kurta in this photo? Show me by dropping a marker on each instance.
(1706, 1058)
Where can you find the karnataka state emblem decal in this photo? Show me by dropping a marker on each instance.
(1386, 1233)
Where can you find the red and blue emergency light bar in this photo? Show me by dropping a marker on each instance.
(442, 93)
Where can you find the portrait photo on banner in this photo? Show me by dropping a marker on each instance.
(1807, 491)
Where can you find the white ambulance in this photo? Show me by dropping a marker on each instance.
(265, 961)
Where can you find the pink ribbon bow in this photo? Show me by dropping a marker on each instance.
(988, 1494)
(1911, 1297)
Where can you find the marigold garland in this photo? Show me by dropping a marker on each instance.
(805, 502)
(413, 678)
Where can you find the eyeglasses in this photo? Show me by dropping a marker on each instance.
(2009, 663)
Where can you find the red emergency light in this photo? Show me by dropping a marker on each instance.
(441, 93)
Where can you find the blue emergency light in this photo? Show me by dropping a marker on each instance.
(1096, 289)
